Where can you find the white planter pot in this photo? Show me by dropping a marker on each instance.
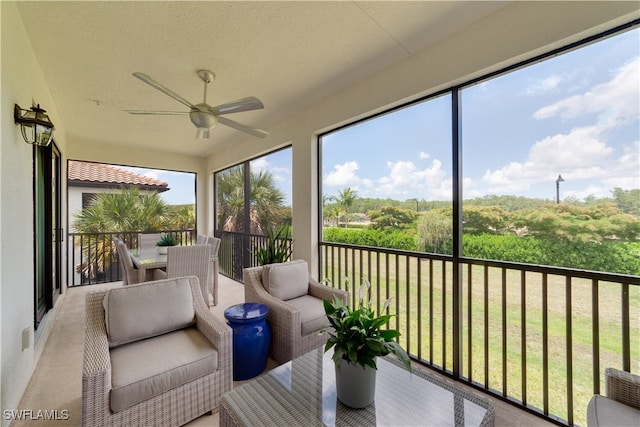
(356, 385)
(162, 250)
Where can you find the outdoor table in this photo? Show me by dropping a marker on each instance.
(303, 392)
(146, 259)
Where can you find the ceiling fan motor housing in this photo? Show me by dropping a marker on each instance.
(202, 118)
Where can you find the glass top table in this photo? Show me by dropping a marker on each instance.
(303, 392)
(148, 258)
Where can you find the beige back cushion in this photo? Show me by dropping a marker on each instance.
(142, 311)
(286, 280)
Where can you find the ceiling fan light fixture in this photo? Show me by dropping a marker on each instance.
(202, 133)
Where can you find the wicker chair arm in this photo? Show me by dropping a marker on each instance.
(211, 326)
(96, 365)
(623, 387)
(96, 349)
(326, 292)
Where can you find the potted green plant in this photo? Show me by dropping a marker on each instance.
(278, 248)
(164, 242)
(358, 338)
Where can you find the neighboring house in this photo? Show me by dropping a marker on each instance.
(86, 179)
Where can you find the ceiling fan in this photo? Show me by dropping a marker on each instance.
(203, 115)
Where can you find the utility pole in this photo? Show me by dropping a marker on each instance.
(558, 181)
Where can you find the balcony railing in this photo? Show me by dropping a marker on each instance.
(93, 259)
(538, 337)
(237, 251)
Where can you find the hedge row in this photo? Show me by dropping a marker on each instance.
(608, 256)
(370, 237)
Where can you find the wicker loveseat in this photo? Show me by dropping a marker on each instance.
(154, 355)
(621, 406)
(296, 311)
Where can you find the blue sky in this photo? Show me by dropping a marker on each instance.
(182, 185)
(576, 115)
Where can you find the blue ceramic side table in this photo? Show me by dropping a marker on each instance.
(251, 338)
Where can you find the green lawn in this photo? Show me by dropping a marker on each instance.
(412, 301)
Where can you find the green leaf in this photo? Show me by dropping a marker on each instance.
(358, 335)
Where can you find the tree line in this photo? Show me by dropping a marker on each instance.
(597, 234)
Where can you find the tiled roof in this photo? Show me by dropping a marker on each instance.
(99, 173)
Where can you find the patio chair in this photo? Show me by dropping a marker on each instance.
(148, 240)
(296, 310)
(621, 406)
(154, 355)
(201, 239)
(215, 266)
(191, 261)
(123, 272)
(130, 274)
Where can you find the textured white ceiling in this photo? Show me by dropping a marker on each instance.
(288, 54)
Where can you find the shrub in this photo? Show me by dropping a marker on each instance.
(370, 237)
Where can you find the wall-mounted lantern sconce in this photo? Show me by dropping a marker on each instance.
(36, 127)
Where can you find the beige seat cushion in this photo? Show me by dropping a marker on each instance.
(286, 280)
(137, 312)
(147, 368)
(604, 412)
(312, 315)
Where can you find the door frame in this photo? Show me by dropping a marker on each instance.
(48, 235)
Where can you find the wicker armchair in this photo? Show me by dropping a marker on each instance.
(191, 261)
(297, 321)
(621, 406)
(188, 368)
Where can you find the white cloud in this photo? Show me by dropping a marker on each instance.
(581, 147)
(423, 155)
(546, 85)
(614, 100)
(344, 175)
(152, 174)
(279, 174)
(582, 153)
(260, 165)
(406, 180)
(579, 154)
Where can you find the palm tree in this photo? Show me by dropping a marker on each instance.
(267, 201)
(126, 211)
(183, 217)
(331, 213)
(345, 199)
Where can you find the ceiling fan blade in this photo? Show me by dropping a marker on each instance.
(148, 80)
(244, 128)
(158, 113)
(244, 104)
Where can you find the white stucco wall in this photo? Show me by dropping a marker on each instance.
(21, 82)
